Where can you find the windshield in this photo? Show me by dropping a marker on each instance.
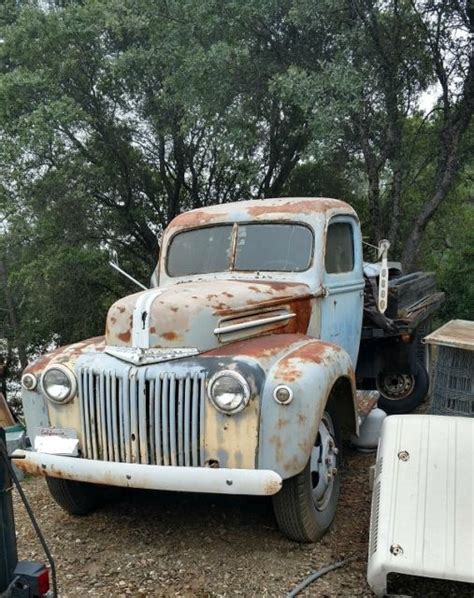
(262, 247)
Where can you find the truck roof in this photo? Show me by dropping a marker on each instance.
(290, 208)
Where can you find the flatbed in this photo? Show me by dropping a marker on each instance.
(391, 357)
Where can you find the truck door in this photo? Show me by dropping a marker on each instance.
(343, 279)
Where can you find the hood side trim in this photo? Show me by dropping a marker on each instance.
(253, 323)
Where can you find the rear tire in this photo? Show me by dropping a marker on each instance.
(77, 498)
(402, 393)
(306, 505)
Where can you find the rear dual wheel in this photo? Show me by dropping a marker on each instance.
(306, 505)
(402, 393)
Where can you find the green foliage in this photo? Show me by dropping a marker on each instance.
(449, 251)
(115, 115)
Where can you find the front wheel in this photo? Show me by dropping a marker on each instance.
(402, 393)
(77, 498)
(306, 505)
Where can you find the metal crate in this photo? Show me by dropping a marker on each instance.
(453, 370)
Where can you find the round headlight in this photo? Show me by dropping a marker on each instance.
(59, 383)
(29, 381)
(228, 391)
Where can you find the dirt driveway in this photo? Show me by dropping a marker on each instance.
(158, 544)
(170, 544)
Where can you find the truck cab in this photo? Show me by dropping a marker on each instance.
(234, 374)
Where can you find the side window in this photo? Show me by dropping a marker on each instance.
(339, 248)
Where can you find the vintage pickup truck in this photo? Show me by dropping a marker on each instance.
(234, 374)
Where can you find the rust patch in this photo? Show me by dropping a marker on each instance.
(290, 367)
(26, 467)
(312, 352)
(288, 370)
(170, 336)
(257, 208)
(302, 419)
(67, 353)
(195, 218)
(272, 487)
(296, 206)
(282, 286)
(282, 423)
(125, 336)
(277, 443)
(220, 306)
(366, 400)
(254, 304)
(264, 346)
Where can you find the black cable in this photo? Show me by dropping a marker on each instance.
(31, 515)
(316, 575)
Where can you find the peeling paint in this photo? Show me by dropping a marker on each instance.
(67, 355)
(188, 317)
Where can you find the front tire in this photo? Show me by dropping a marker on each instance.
(306, 505)
(77, 498)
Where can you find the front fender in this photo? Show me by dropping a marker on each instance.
(288, 432)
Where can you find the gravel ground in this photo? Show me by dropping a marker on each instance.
(170, 544)
(159, 544)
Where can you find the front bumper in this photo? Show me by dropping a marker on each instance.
(150, 477)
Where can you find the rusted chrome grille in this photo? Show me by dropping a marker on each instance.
(136, 419)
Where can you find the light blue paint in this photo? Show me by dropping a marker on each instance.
(342, 307)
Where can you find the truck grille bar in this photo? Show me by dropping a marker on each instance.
(134, 418)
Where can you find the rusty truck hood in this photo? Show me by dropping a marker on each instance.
(205, 314)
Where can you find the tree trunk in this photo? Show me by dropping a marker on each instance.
(394, 206)
(448, 166)
(413, 243)
(456, 121)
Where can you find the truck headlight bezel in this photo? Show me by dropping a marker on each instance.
(69, 383)
(283, 394)
(29, 381)
(233, 405)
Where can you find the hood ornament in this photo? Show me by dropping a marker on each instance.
(139, 356)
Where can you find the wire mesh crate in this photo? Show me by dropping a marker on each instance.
(453, 369)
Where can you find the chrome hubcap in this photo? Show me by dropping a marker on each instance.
(323, 463)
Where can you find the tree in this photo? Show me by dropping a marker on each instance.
(116, 115)
(448, 29)
(388, 55)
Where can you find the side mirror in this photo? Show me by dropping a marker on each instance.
(114, 263)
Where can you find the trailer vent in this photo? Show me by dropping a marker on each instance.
(374, 517)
